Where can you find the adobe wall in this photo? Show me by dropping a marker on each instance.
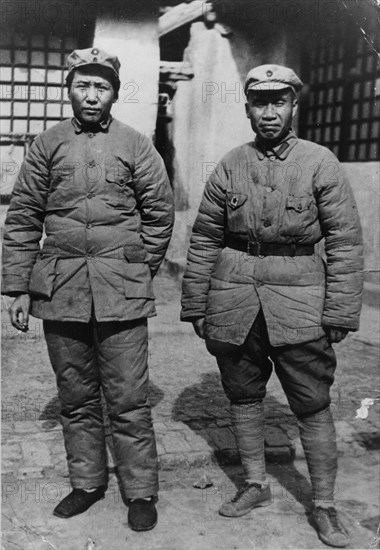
(209, 120)
(365, 181)
(132, 34)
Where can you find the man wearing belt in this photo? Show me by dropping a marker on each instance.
(99, 190)
(259, 293)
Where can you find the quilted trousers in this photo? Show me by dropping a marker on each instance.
(113, 357)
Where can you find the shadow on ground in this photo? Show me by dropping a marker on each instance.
(204, 408)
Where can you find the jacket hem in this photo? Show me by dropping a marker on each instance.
(87, 319)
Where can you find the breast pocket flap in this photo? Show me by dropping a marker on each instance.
(298, 203)
(121, 177)
(234, 200)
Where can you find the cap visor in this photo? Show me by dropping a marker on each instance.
(268, 86)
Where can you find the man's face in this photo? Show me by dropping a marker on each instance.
(91, 96)
(271, 113)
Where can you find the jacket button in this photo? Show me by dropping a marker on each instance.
(89, 225)
(90, 135)
(269, 190)
(90, 195)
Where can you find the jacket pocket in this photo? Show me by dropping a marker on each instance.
(121, 176)
(119, 189)
(137, 275)
(41, 282)
(235, 200)
(299, 204)
(63, 191)
(300, 214)
(236, 215)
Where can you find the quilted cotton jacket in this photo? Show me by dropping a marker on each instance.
(105, 204)
(295, 194)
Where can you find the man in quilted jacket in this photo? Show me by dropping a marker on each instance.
(99, 190)
(259, 293)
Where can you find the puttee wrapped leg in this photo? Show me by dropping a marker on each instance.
(318, 438)
(248, 425)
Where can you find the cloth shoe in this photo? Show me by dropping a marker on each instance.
(252, 495)
(142, 514)
(329, 528)
(77, 502)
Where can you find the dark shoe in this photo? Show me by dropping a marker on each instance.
(142, 514)
(329, 528)
(251, 496)
(77, 502)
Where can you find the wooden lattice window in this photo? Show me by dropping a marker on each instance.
(342, 107)
(31, 77)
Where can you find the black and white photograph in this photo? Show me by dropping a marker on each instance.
(190, 309)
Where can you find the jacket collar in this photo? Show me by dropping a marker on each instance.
(279, 151)
(101, 127)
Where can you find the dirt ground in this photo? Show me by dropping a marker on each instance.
(184, 387)
(188, 518)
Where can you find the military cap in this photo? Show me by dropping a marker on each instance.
(272, 78)
(93, 56)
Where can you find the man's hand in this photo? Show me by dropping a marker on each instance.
(336, 334)
(19, 312)
(199, 327)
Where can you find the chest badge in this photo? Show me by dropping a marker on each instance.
(235, 200)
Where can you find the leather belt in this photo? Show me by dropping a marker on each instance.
(269, 249)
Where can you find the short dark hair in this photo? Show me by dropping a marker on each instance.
(104, 72)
